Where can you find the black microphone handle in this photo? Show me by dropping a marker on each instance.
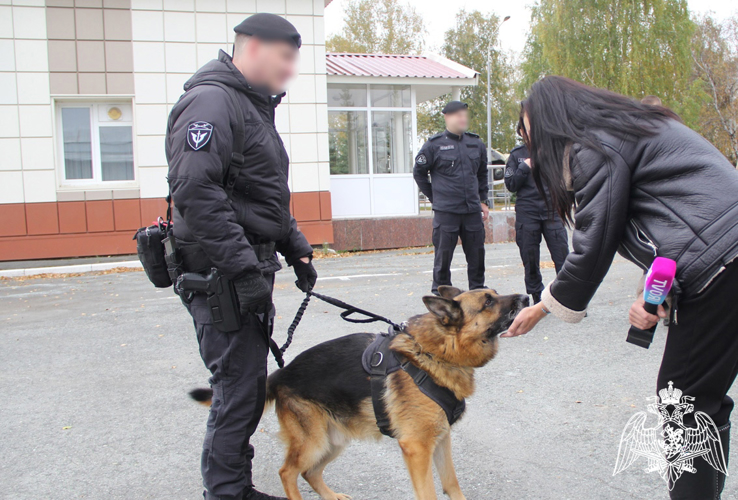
(643, 338)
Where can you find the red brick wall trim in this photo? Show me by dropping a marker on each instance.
(400, 232)
(66, 245)
(105, 227)
(311, 206)
(74, 228)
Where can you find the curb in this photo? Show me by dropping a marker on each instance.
(75, 268)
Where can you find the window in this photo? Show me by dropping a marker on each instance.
(388, 143)
(392, 142)
(371, 135)
(348, 142)
(346, 95)
(96, 142)
(390, 96)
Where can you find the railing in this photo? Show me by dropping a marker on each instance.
(499, 197)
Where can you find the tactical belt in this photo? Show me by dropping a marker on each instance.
(195, 260)
(380, 361)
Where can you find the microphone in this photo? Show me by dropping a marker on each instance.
(659, 279)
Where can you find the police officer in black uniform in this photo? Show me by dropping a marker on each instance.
(533, 219)
(236, 228)
(456, 161)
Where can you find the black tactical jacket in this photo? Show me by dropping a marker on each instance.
(458, 172)
(259, 209)
(529, 204)
(673, 195)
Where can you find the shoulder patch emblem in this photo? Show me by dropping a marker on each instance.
(199, 135)
(421, 159)
(508, 172)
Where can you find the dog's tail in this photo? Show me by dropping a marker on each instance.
(204, 396)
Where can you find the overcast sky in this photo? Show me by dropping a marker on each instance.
(440, 16)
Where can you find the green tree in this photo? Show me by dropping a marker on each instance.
(379, 26)
(633, 47)
(715, 55)
(467, 43)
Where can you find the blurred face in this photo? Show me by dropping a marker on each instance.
(458, 121)
(268, 64)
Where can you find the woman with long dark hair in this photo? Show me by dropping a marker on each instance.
(631, 177)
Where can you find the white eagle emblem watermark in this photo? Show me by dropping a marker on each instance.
(670, 447)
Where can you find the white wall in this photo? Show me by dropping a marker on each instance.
(26, 144)
(172, 38)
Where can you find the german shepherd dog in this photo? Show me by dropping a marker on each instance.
(323, 397)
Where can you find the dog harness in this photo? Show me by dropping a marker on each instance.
(379, 361)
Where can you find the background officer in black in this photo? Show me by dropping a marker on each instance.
(456, 161)
(237, 233)
(533, 219)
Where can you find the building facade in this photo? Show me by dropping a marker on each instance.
(86, 87)
(85, 90)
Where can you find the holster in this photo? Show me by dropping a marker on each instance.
(221, 297)
(187, 270)
(192, 272)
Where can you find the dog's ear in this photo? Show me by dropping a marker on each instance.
(449, 292)
(446, 310)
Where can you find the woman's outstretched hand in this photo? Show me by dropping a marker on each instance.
(525, 321)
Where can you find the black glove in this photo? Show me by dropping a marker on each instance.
(306, 275)
(254, 293)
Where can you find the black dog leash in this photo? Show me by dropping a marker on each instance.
(348, 311)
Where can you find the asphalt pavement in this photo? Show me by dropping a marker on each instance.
(96, 369)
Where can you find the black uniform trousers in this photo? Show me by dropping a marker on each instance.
(701, 359)
(238, 363)
(447, 228)
(528, 234)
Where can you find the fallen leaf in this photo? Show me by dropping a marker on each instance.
(66, 428)
(545, 338)
(123, 345)
(521, 390)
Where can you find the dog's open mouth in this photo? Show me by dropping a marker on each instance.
(501, 326)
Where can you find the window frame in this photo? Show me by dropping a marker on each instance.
(368, 110)
(96, 182)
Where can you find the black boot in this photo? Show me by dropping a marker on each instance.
(252, 494)
(536, 297)
(705, 483)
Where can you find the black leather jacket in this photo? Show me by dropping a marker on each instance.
(673, 195)
(259, 211)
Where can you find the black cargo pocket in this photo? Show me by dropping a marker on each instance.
(446, 163)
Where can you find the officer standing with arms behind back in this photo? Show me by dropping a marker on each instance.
(228, 178)
(456, 161)
(533, 219)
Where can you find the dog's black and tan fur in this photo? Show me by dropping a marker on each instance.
(323, 398)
